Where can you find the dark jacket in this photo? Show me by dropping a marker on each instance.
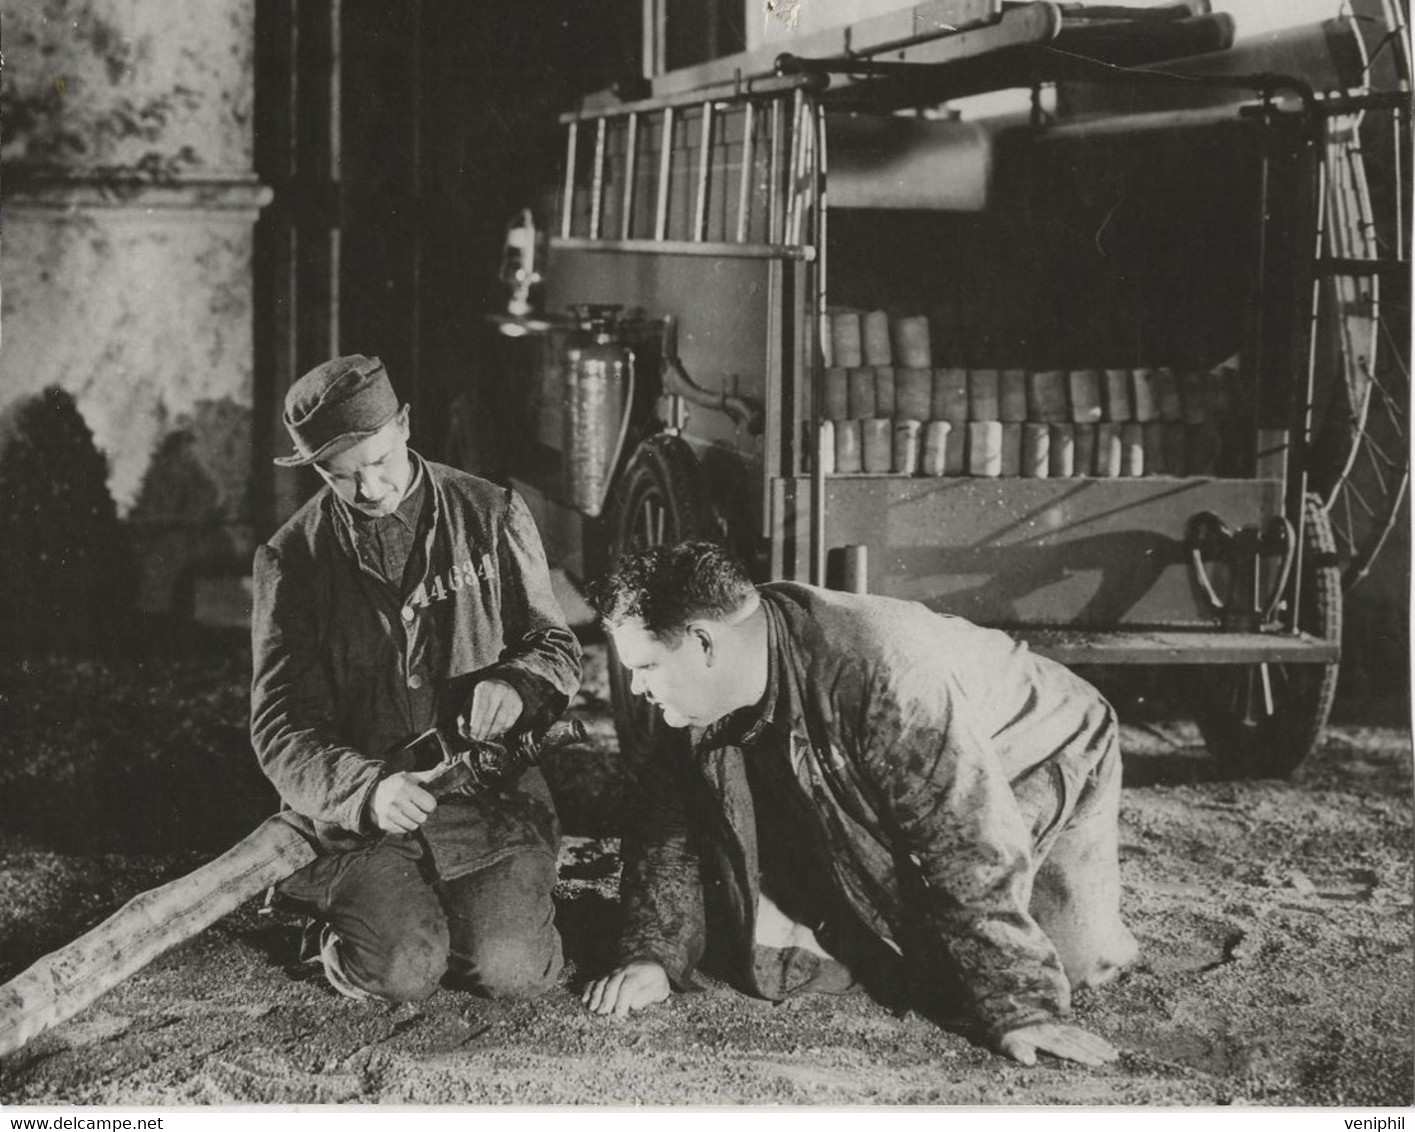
(939, 760)
(346, 666)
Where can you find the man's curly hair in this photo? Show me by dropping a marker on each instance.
(668, 586)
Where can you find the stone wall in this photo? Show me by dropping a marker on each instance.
(128, 205)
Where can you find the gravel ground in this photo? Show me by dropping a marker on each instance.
(1275, 919)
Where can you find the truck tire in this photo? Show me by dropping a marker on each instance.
(658, 500)
(1249, 739)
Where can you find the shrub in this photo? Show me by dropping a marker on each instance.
(67, 571)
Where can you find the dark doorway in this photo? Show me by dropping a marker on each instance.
(399, 139)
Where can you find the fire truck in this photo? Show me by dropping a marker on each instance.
(1088, 323)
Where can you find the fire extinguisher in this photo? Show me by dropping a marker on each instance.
(599, 399)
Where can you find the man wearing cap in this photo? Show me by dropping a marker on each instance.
(402, 595)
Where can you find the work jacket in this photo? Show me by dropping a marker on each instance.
(348, 666)
(937, 760)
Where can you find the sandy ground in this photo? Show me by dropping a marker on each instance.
(1278, 969)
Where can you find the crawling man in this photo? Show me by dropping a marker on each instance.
(861, 792)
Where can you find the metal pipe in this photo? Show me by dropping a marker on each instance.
(665, 169)
(1307, 411)
(744, 193)
(855, 568)
(654, 46)
(1400, 139)
(722, 249)
(817, 357)
(778, 405)
(704, 173)
(773, 192)
(597, 182)
(631, 161)
(793, 168)
(1261, 280)
(1370, 241)
(1330, 105)
(567, 206)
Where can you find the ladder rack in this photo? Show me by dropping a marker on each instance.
(681, 152)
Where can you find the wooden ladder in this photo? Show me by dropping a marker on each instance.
(777, 180)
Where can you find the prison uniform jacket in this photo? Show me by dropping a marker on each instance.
(346, 667)
(939, 758)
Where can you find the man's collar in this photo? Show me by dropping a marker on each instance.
(409, 510)
(746, 724)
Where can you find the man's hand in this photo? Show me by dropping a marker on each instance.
(400, 804)
(632, 987)
(1071, 1043)
(496, 706)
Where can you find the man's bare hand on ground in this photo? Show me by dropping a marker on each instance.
(1070, 1043)
(494, 710)
(400, 804)
(632, 987)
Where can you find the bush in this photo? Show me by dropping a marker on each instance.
(68, 579)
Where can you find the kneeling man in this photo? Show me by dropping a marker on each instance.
(863, 791)
(406, 594)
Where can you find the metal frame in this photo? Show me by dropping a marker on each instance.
(797, 239)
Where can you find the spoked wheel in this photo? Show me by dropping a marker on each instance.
(1368, 432)
(1361, 459)
(658, 500)
(1263, 720)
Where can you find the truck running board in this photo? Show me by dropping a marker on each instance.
(1177, 646)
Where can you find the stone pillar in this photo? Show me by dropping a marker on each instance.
(128, 206)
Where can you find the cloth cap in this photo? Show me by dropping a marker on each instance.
(344, 399)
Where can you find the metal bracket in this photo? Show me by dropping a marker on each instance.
(1245, 607)
(745, 412)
